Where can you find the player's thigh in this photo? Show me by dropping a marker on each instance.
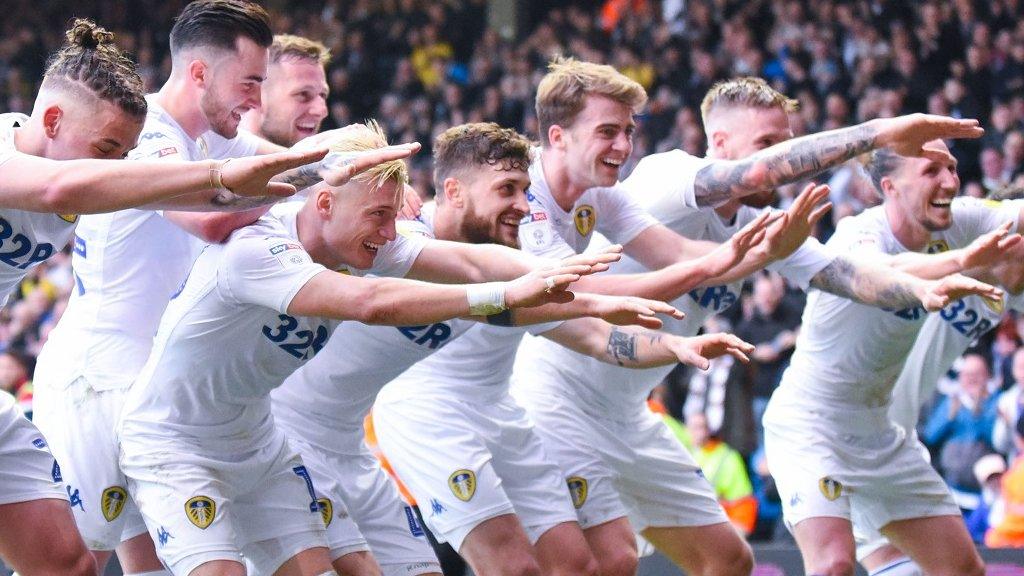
(39, 537)
(359, 563)
(613, 545)
(917, 538)
(563, 549)
(218, 568)
(311, 562)
(714, 549)
(826, 544)
(138, 554)
(499, 545)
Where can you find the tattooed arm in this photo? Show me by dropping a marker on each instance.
(634, 347)
(806, 156)
(889, 288)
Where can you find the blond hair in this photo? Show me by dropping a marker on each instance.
(371, 137)
(292, 46)
(562, 92)
(747, 92)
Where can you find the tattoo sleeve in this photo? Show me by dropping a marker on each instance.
(229, 201)
(781, 164)
(302, 177)
(622, 345)
(867, 283)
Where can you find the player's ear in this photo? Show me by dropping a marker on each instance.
(197, 71)
(887, 186)
(52, 117)
(323, 198)
(453, 192)
(556, 136)
(718, 141)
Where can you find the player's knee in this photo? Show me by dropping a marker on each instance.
(734, 562)
(71, 563)
(970, 565)
(578, 564)
(520, 565)
(835, 567)
(623, 561)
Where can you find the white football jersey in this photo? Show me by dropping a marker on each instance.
(851, 354)
(226, 340)
(478, 365)
(342, 382)
(127, 265)
(943, 338)
(620, 393)
(26, 238)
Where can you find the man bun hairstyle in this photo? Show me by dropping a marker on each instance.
(218, 23)
(90, 62)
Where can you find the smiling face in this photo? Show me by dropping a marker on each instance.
(231, 86)
(597, 143)
(923, 189)
(294, 100)
(493, 204)
(359, 219)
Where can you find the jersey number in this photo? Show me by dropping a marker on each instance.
(965, 320)
(12, 249)
(304, 339)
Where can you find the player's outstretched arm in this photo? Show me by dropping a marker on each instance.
(618, 310)
(96, 186)
(807, 156)
(887, 287)
(641, 348)
(399, 302)
(986, 251)
(450, 262)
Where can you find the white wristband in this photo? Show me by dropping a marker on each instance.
(486, 299)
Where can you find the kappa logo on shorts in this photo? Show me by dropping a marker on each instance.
(585, 217)
(463, 484)
(830, 488)
(112, 502)
(578, 490)
(201, 511)
(326, 510)
(56, 472)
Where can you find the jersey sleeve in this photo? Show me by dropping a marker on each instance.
(860, 235)
(976, 217)
(663, 183)
(243, 145)
(268, 271)
(619, 217)
(158, 145)
(804, 263)
(415, 227)
(397, 257)
(537, 236)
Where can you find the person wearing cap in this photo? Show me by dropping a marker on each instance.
(1008, 532)
(988, 470)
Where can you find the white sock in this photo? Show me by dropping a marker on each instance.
(900, 567)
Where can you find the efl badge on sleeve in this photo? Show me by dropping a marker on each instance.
(463, 484)
(830, 489)
(578, 490)
(113, 500)
(200, 511)
(326, 510)
(585, 217)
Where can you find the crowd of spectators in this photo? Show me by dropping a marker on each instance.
(420, 66)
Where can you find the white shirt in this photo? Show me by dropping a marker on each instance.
(26, 238)
(477, 367)
(341, 383)
(127, 265)
(943, 338)
(620, 393)
(227, 340)
(850, 354)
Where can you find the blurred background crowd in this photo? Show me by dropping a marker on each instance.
(420, 66)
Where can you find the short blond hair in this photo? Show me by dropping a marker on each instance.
(746, 92)
(292, 46)
(562, 92)
(371, 138)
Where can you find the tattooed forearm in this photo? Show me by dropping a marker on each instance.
(633, 347)
(302, 177)
(782, 164)
(622, 346)
(867, 283)
(229, 201)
